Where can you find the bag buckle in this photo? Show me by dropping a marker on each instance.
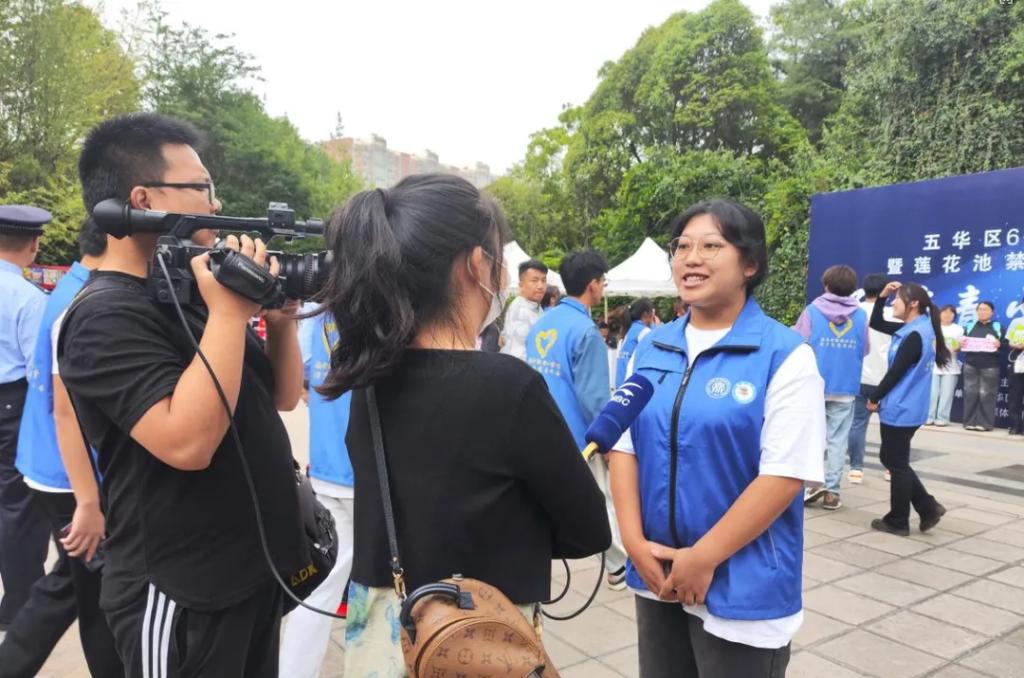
(399, 576)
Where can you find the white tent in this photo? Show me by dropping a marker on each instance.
(514, 255)
(647, 273)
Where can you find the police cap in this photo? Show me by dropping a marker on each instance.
(23, 220)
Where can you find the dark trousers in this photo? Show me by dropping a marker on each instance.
(1016, 404)
(674, 644)
(905, 488)
(70, 590)
(981, 388)
(241, 641)
(23, 529)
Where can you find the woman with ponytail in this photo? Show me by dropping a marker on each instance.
(902, 399)
(485, 477)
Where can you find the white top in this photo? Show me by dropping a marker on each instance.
(54, 333)
(953, 334)
(520, 316)
(876, 362)
(792, 446)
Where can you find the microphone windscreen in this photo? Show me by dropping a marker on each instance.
(620, 412)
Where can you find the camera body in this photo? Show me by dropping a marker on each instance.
(300, 276)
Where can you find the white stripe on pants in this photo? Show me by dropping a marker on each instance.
(156, 633)
(306, 633)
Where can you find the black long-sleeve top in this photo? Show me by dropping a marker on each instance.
(907, 355)
(486, 479)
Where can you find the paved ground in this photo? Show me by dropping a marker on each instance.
(948, 604)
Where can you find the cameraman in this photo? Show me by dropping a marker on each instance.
(185, 588)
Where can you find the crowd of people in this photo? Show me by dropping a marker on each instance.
(116, 443)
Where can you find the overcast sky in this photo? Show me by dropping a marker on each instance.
(468, 80)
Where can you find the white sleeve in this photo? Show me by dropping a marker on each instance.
(54, 335)
(793, 435)
(625, 443)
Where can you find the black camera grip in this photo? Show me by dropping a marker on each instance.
(244, 276)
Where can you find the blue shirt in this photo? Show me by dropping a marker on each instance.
(626, 352)
(328, 419)
(21, 312)
(565, 346)
(39, 457)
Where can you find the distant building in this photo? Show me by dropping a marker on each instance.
(382, 167)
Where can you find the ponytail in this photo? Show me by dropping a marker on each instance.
(911, 292)
(393, 251)
(364, 295)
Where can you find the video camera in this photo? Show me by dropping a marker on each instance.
(300, 276)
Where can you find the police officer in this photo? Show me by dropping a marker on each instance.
(23, 528)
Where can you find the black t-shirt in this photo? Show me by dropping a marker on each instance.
(979, 359)
(485, 476)
(191, 533)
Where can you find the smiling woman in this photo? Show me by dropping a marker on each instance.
(707, 482)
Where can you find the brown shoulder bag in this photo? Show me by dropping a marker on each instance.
(457, 626)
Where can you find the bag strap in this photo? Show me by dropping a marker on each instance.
(385, 490)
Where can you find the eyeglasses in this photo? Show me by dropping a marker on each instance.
(707, 248)
(211, 190)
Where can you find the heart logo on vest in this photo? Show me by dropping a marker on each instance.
(544, 342)
(840, 332)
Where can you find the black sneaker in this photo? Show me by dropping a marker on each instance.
(882, 526)
(617, 579)
(933, 520)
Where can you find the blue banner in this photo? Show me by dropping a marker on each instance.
(961, 237)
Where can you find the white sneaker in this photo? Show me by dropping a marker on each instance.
(888, 477)
(856, 477)
(617, 580)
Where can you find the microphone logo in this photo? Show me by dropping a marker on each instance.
(625, 393)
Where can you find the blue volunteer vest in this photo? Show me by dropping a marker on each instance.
(328, 419)
(38, 454)
(687, 487)
(907, 403)
(626, 352)
(839, 351)
(550, 346)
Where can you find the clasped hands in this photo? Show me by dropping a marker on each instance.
(682, 574)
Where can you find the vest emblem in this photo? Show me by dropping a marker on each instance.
(545, 341)
(743, 392)
(840, 332)
(718, 388)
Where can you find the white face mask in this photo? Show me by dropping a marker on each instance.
(498, 298)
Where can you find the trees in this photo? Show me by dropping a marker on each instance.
(61, 72)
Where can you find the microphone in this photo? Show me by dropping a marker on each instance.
(618, 415)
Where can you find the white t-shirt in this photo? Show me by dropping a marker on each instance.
(953, 334)
(876, 362)
(520, 316)
(54, 333)
(794, 417)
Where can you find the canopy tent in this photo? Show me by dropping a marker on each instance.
(514, 255)
(647, 273)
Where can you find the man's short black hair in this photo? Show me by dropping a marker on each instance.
(92, 242)
(578, 269)
(873, 284)
(532, 265)
(641, 307)
(126, 151)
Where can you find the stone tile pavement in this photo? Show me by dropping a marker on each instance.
(948, 604)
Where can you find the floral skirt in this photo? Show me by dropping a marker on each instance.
(373, 646)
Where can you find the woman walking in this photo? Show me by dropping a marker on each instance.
(485, 478)
(901, 400)
(708, 483)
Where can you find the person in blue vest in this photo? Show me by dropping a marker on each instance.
(50, 449)
(708, 481)
(23, 528)
(902, 399)
(566, 347)
(837, 329)
(306, 633)
(641, 312)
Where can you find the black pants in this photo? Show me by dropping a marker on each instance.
(981, 389)
(23, 529)
(674, 644)
(67, 592)
(241, 641)
(1016, 404)
(905, 489)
